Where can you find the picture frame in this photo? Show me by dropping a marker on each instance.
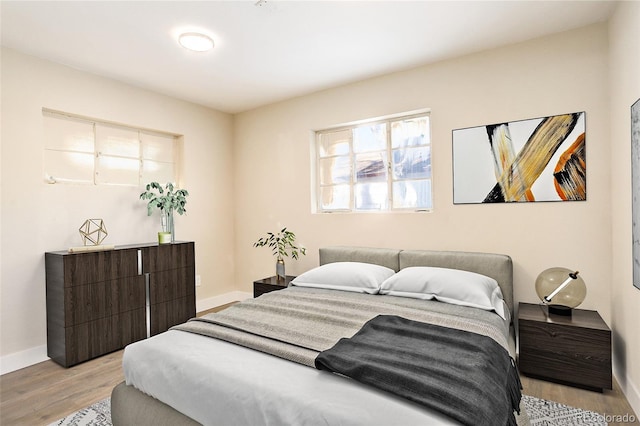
(539, 159)
(635, 190)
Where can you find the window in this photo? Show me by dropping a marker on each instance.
(381, 165)
(82, 150)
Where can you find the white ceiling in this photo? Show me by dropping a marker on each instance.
(275, 50)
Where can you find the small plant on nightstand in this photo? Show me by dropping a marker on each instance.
(282, 244)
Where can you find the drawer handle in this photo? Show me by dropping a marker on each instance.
(147, 282)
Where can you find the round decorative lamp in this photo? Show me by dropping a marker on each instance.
(561, 289)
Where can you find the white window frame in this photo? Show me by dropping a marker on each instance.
(105, 127)
(316, 170)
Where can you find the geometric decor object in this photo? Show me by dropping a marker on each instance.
(541, 159)
(93, 231)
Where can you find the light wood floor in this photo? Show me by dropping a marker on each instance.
(610, 402)
(46, 392)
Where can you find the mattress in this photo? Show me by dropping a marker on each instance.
(216, 382)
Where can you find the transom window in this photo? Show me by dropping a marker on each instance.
(82, 150)
(381, 165)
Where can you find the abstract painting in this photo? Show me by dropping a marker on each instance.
(541, 159)
(635, 190)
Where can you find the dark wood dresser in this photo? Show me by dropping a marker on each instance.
(573, 350)
(99, 302)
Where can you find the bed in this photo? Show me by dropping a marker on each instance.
(252, 363)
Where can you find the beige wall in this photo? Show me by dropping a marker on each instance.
(553, 75)
(624, 37)
(37, 217)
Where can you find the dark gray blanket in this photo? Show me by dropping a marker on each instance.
(465, 375)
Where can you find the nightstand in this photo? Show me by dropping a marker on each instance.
(267, 285)
(573, 350)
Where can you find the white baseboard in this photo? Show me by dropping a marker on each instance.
(28, 357)
(633, 396)
(22, 359)
(222, 299)
(631, 392)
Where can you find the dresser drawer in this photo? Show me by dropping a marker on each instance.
(168, 256)
(86, 268)
(102, 299)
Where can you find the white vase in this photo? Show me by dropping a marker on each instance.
(280, 274)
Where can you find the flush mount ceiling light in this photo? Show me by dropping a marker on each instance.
(197, 42)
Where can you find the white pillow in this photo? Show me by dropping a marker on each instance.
(347, 276)
(447, 285)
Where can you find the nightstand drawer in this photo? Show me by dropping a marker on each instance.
(574, 350)
(259, 288)
(572, 355)
(269, 284)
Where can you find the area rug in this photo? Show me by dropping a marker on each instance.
(549, 413)
(98, 414)
(541, 413)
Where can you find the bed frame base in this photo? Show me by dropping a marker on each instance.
(129, 407)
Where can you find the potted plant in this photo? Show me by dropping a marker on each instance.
(282, 245)
(167, 200)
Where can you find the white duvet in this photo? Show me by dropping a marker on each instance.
(220, 383)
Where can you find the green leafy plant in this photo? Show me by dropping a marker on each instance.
(281, 244)
(165, 199)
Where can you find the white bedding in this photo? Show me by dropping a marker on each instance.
(220, 383)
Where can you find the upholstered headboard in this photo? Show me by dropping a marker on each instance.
(496, 266)
(378, 256)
